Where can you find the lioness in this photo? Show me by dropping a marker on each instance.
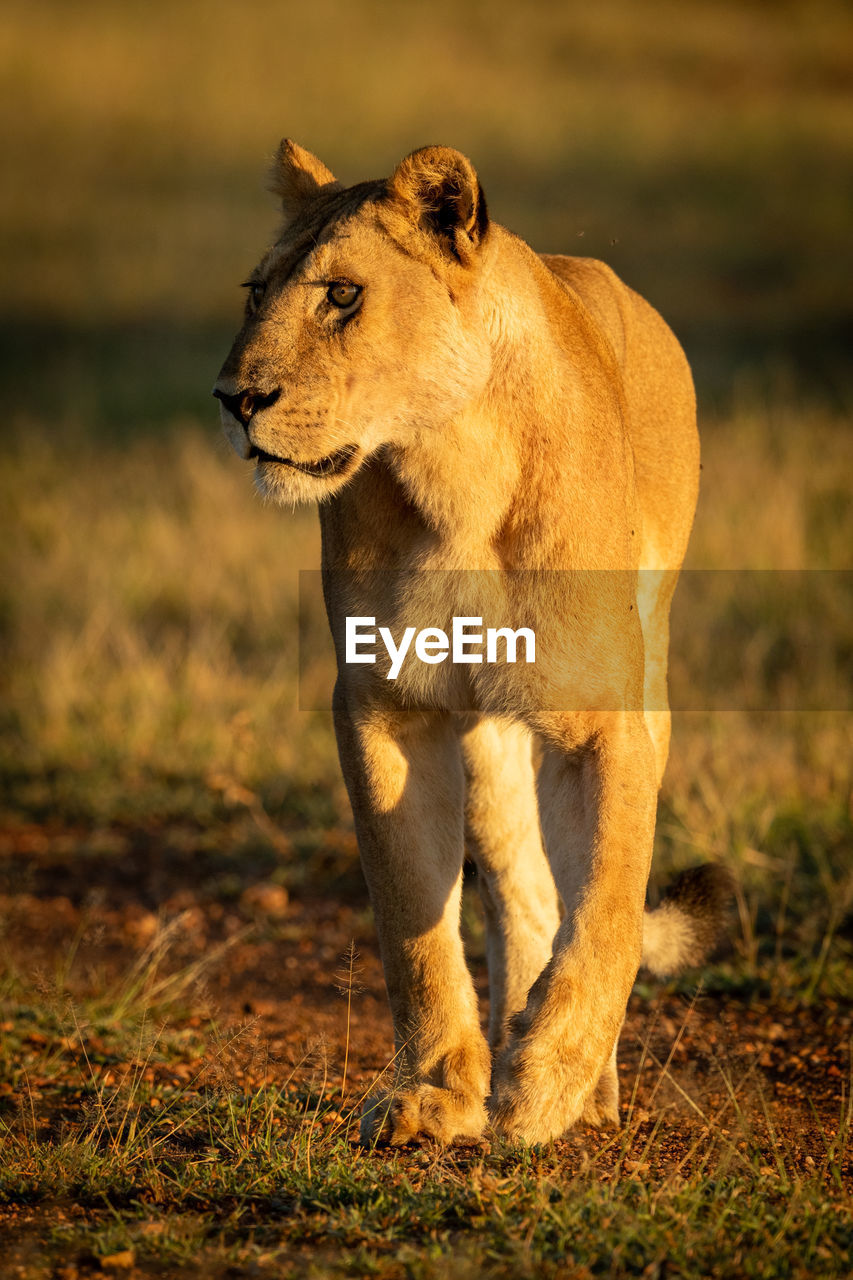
(457, 403)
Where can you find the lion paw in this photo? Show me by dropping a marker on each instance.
(426, 1111)
(538, 1096)
(523, 1119)
(535, 1109)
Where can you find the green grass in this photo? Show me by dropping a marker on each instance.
(162, 1154)
(474, 1217)
(134, 1135)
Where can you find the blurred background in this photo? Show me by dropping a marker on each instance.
(706, 152)
(149, 600)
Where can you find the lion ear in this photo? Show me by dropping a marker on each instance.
(297, 177)
(439, 188)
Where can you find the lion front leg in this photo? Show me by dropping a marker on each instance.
(598, 805)
(404, 775)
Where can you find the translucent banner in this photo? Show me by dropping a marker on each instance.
(560, 641)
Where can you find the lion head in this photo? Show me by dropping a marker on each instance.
(362, 328)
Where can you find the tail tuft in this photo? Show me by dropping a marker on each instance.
(682, 932)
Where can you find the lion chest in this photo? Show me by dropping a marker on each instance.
(490, 641)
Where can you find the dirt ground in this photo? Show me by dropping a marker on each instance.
(771, 1077)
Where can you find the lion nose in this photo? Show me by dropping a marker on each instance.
(245, 404)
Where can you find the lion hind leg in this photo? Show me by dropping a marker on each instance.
(654, 595)
(503, 835)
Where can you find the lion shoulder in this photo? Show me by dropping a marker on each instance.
(659, 395)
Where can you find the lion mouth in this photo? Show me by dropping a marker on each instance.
(332, 465)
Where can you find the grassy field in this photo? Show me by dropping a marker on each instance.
(185, 1036)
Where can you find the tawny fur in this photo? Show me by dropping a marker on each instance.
(483, 408)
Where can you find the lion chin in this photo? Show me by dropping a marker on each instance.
(289, 480)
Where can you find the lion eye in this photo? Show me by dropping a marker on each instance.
(257, 289)
(343, 293)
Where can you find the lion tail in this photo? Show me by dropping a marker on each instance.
(684, 929)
